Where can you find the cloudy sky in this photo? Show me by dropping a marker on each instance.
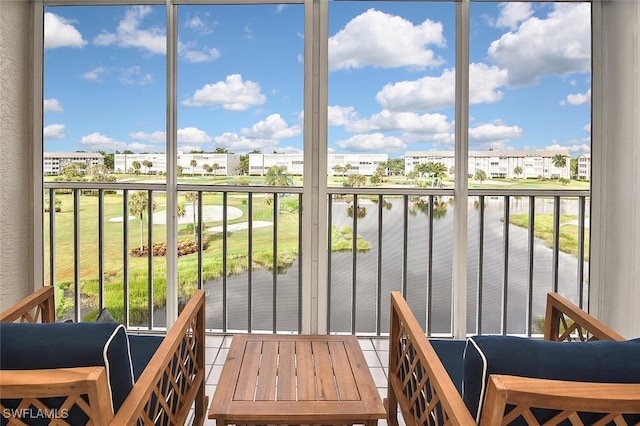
(391, 77)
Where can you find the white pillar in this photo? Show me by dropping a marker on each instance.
(615, 203)
(18, 252)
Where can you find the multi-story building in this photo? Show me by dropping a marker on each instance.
(193, 163)
(363, 164)
(53, 162)
(259, 164)
(498, 164)
(584, 167)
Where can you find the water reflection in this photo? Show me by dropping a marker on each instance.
(425, 273)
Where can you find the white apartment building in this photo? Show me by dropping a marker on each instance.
(192, 164)
(584, 167)
(260, 163)
(363, 164)
(53, 162)
(497, 164)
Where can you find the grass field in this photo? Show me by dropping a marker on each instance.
(114, 255)
(138, 268)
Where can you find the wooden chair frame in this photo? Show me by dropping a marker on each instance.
(422, 388)
(171, 385)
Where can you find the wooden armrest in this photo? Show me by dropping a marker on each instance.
(569, 398)
(418, 381)
(32, 386)
(557, 328)
(175, 375)
(37, 307)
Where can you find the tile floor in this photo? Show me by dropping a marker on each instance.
(376, 352)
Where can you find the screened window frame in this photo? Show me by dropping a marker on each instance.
(314, 266)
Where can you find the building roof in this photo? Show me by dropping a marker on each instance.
(72, 155)
(503, 153)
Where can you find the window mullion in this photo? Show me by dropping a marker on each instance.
(461, 179)
(314, 213)
(172, 167)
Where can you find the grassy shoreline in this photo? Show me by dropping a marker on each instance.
(237, 244)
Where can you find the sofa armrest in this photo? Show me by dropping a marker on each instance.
(175, 377)
(606, 401)
(37, 307)
(418, 381)
(566, 321)
(66, 388)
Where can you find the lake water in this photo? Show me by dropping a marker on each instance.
(285, 290)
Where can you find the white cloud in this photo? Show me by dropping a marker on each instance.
(494, 134)
(135, 76)
(59, 32)
(248, 32)
(587, 128)
(512, 14)
(128, 33)
(97, 140)
(200, 24)
(574, 149)
(378, 39)
(428, 93)
(94, 74)
(401, 121)
(155, 137)
(52, 105)
(340, 116)
(236, 143)
(54, 132)
(372, 142)
(186, 135)
(577, 98)
(195, 56)
(233, 94)
(557, 44)
(193, 135)
(273, 127)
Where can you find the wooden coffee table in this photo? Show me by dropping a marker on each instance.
(296, 379)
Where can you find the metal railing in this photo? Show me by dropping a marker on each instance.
(246, 243)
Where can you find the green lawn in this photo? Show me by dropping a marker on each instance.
(237, 242)
(138, 266)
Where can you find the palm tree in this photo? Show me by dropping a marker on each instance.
(192, 197)
(480, 175)
(138, 205)
(517, 170)
(278, 176)
(215, 169)
(147, 164)
(136, 167)
(193, 164)
(559, 161)
(338, 169)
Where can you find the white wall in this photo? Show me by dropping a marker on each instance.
(615, 211)
(16, 177)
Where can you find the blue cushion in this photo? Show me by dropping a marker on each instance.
(142, 349)
(26, 346)
(597, 361)
(450, 353)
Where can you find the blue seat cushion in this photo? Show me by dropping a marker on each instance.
(450, 353)
(25, 346)
(596, 361)
(142, 349)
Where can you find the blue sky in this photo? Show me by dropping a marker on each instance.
(391, 77)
